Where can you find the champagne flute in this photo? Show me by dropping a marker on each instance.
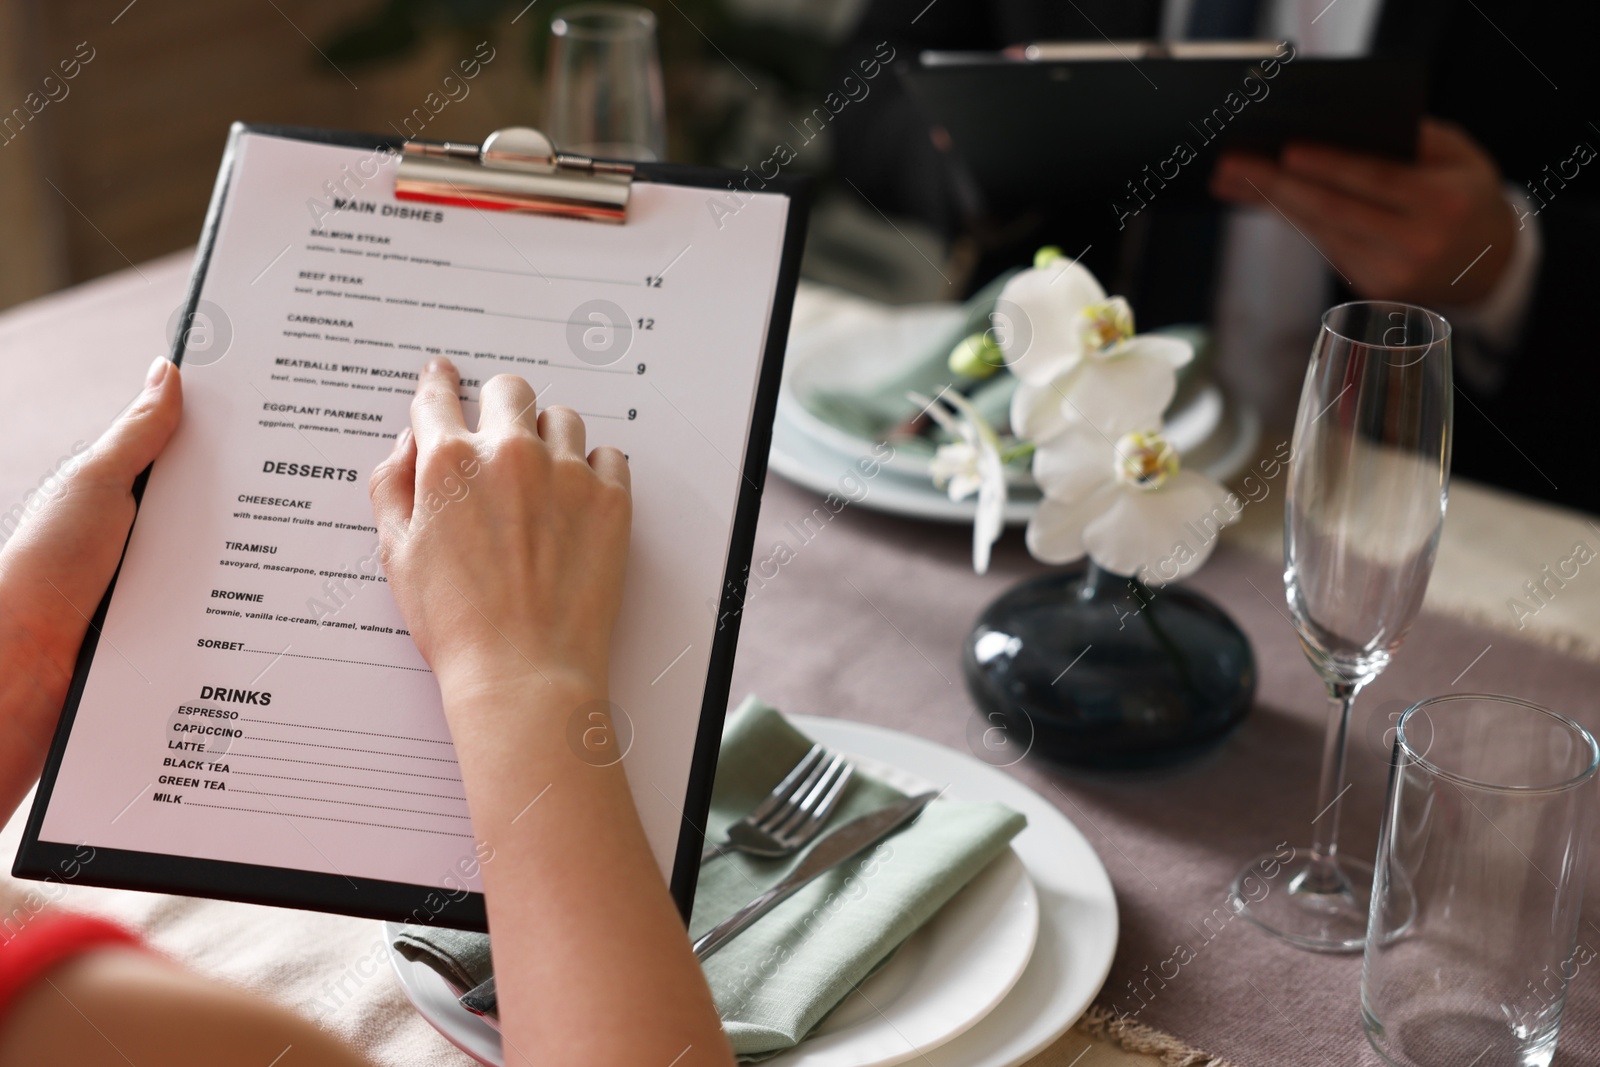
(1367, 488)
(604, 96)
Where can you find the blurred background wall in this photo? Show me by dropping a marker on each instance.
(114, 164)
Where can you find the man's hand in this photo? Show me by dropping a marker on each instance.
(1438, 231)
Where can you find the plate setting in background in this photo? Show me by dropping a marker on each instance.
(1212, 432)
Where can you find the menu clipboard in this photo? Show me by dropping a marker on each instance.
(248, 718)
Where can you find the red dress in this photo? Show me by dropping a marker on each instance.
(44, 940)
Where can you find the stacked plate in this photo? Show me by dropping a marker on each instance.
(998, 975)
(838, 339)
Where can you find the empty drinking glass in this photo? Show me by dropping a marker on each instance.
(1472, 936)
(1365, 504)
(604, 97)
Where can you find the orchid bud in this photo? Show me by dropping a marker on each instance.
(976, 356)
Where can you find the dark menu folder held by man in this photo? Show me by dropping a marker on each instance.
(1127, 124)
(250, 718)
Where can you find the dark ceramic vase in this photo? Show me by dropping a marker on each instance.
(1088, 669)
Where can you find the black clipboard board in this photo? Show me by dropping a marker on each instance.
(396, 901)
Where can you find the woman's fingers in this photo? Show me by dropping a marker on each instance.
(562, 430)
(506, 399)
(436, 409)
(612, 466)
(393, 486)
(132, 442)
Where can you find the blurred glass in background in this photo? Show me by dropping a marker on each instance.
(604, 95)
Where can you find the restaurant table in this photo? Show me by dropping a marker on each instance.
(865, 620)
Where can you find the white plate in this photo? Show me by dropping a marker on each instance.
(1077, 909)
(812, 464)
(946, 977)
(1075, 913)
(436, 1002)
(943, 980)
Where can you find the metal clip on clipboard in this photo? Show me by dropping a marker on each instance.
(515, 169)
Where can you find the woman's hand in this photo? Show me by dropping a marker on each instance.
(55, 569)
(504, 548)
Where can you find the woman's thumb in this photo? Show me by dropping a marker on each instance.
(142, 431)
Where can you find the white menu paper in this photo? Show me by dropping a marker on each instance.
(255, 696)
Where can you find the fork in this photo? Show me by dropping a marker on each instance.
(794, 812)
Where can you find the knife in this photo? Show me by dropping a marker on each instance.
(481, 998)
(842, 844)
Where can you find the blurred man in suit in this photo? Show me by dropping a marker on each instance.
(1496, 224)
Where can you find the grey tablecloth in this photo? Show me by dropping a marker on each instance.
(884, 649)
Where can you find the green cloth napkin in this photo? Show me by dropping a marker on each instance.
(777, 980)
(782, 976)
(875, 404)
(460, 956)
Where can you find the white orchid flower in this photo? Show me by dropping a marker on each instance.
(970, 464)
(1037, 320)
(1119, 381)
(1125, 503)
(1076, 354)
(955, 469)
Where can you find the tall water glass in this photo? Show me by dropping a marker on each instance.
(1481, 862)
(1368, 482)
(603, 95)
